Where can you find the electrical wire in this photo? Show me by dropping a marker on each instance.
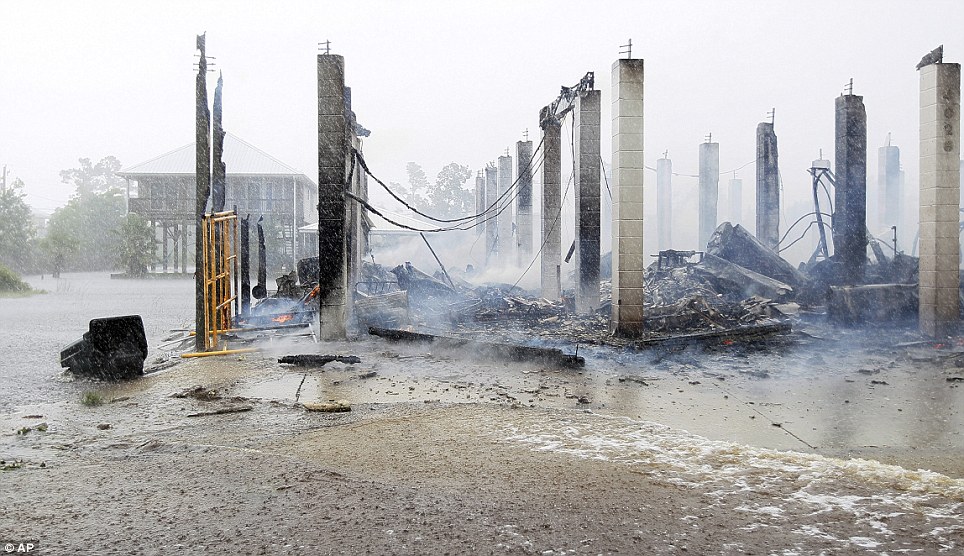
(364, 165)
(462, 227)
(814, 213)
(558, 217)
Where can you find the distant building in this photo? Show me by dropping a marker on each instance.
(257, 184)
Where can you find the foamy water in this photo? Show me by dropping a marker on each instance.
(855, 504)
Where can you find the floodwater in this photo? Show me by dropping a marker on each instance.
(34, 329)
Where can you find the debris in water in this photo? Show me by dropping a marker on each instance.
(312, 360)
(335, 406)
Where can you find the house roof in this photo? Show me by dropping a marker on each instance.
(240, 158)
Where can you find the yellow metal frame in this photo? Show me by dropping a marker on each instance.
(220, 239)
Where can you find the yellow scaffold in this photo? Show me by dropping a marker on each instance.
(220, 238)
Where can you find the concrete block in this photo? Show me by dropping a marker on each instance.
(627, 124)
(928, 77)
(630, 90)
(627, 159)
(624, 107)
(628, 142)
(631, 228)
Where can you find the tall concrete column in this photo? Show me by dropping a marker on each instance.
(332, 203)
(523, 156)
(767, 187)
(735, 198)
(629, 264)
(850, 190)
(551, 205)
(709, 190)
(940, 197)
(588, 183)
(888, 186)
(664, 203)
(505, 240)
(492, 222)
(479, 203)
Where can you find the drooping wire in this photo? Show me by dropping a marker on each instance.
(797, 222)
(364, 165)
(462, 227)
(803, 235)
(558, 217)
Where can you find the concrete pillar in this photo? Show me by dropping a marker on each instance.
(629, 260)
(850, 190)
(551, 205)
(505, 240)
(940, 197)
(332, 203)
(664, 203)
(492, 222)
(523, 150)
(735, 200)
(588, 183)
(767, 187)
(888, 187)
(479, 203)
(709, 190)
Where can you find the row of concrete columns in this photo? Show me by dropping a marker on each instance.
(940, 172)
(494, 206)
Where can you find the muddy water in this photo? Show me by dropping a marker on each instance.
(34, 329)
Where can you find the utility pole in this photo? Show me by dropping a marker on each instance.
(3, 182)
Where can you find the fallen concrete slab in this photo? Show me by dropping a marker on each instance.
(874, 303)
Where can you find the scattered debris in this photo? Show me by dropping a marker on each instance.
(312, 360)
(223, 411)
(876, 303)
(198, 393)
(546, 356)
(112, 348)
(333, 406)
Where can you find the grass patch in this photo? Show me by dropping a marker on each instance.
(92, 399)
(19, 294)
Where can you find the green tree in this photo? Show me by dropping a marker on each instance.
(136, 244)
(417, 192)
(16, 227)
(448, 198)
(94, 178)
(90, 222)
(57, 249)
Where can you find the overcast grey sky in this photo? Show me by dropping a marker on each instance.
(446, 81)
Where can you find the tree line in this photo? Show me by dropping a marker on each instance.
(91, 232)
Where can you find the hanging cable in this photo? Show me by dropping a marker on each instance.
(797, 222)
(364, 165)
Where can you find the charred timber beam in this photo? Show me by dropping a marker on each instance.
(313, 360)
(546, 356)
(750, 333)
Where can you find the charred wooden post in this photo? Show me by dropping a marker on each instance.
(202, 191)
(245, 261)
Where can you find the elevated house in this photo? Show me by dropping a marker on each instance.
(257, 184)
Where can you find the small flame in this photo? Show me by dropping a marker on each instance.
(283, 318)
